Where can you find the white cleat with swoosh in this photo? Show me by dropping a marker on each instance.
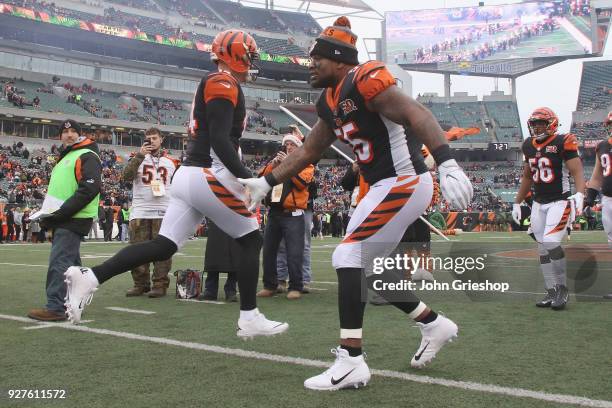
(346, 372)
(435, 335)
(82, 283)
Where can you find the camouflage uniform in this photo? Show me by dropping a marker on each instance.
(145, 230)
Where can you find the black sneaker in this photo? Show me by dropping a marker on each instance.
(207, 296)
(561, 298)
(548, 299)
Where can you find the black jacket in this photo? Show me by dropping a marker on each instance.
(89, 178)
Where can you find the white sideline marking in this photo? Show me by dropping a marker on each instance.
(212, 302)
(40, 326)
(20, 264)
(123, 309)
(464, 385)
(43, 325)
(318, 289)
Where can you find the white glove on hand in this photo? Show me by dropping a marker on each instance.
(516, 213)
(578, 200)
(456, 186)
(257, 188)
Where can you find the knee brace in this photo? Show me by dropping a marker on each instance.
(556, 253)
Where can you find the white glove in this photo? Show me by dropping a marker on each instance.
(578, 200)
(516, 213)
(456, 186)
(257, 188)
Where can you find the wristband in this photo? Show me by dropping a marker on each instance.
(271, 180)
(442, 154)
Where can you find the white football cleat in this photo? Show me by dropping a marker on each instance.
(422, 275)
(346, 372)
(82, 283)
(260, 326)
(435, 335)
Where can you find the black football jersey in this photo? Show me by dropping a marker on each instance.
(213, 86)
(382, 147)
(604, 154)
(547, 163)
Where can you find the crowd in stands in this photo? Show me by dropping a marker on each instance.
(140, 4)
(24, 176)
(595, 95)
(260, 123)
(590, 130)
(16, 96)
(234, 13)
(601, 95)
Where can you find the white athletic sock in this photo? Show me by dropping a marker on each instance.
(248, 314)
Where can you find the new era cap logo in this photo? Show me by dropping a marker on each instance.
(337, 52)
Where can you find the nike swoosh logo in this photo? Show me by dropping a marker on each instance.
(336, 382)
(228, 86)
(418, 356)
(374, 74)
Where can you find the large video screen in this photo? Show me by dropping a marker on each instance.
(522, 30)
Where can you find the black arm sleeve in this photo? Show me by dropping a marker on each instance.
(88, 189)
(349, 180)
(219, 115)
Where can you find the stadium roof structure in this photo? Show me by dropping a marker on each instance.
(321, 8)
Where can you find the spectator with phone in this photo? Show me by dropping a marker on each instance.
(150, 171)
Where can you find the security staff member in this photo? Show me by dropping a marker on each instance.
(287, 203)
(69, 209)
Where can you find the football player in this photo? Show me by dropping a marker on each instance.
(204, 186)
(550, 159)
(601, 179)
(362, 106)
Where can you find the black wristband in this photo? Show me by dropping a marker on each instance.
(270, 179)
(442, 154)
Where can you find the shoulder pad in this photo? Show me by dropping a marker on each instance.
(570, 143)
(372, 78)
(221, 85)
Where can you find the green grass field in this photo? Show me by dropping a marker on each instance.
(187, 354)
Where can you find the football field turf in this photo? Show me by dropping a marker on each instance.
(509, 353)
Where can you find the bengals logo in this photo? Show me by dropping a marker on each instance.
(348, 106)
(551, 149)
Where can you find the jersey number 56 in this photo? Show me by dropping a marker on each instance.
(541, 170)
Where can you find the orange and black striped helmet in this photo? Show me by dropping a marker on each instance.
(543, 114)
(237, 49)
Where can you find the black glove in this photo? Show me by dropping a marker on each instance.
(49, 221)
